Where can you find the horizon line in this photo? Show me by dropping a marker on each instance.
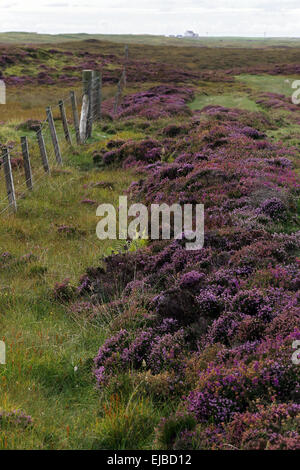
(171, 35)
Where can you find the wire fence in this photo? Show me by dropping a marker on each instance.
(15, 180)
(27, 165)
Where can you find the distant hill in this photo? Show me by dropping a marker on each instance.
(35, 38)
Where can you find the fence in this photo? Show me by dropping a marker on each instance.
(41, 154)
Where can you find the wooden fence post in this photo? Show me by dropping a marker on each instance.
(43, 150)
(53, 135)
(83, 118)
(99, 98)
(64, 121)
(95, 82)
(89, 126)
(124, 78)
(126, 60)
(26, 160)
(117, 98)
(98, 95)
(86, 78)
(75, 116)
(9, 179)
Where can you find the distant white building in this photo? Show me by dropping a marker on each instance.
(191, 34)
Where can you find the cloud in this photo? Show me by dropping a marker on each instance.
(8, 5)
(57, 5)
(217, 17)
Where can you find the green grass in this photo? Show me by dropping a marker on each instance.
(233, 100)
(44, 343)
(269, 83)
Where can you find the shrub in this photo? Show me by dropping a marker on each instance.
(205, 406)
(155, 348)
(258, 372)
(168, 429)
(274, 207)
(210, 304)
(276, 427)
(63, 291)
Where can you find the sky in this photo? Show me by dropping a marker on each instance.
(206, 17)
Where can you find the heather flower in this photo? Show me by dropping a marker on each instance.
(157, 349)
(274, 428)
(252, 133)
(274, 207)
(15, 418)
(207, 407)
(249, 302)
(134, 286)
(234, 304)
(166, 352)
(108, 357)
(63, 291)
(224, 328)
(191, 280)
(280, 162)
(209, 303)
(260, 371)
(83, 308)
(5, 258)
(110, 157)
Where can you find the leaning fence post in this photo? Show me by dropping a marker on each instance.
(43, 150)
(126, 52)
(53, 135)
(64, 121)
(75, 115)
(9, 179)
(26, 160)
(87, 79)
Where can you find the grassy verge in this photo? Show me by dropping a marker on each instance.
(45, 344)
(228, 100)
(49, 350)
(268, 83)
